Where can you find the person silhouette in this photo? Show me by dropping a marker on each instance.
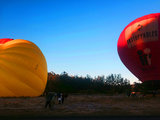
(59, 97)
(50, 99)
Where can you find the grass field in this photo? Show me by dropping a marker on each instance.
(82, 105)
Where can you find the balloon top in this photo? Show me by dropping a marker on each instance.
(153, 15)
(4, 40)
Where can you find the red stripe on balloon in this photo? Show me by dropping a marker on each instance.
(4, 40)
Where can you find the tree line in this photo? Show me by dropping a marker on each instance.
(111, 84)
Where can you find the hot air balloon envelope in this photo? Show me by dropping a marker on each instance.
(23, 70)
(139, 47)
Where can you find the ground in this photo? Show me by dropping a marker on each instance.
(82, 105)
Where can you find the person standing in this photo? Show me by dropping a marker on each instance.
(59, 97)
(50, 99)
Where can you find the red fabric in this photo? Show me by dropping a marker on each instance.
(4, 40)
(139, 47)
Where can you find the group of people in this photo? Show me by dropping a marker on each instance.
(51, 98)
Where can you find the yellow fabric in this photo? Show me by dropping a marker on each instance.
(23, 69)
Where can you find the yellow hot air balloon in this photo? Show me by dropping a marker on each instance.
(23, 69)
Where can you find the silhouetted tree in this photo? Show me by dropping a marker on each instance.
(111, 84)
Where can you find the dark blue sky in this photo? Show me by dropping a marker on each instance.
(76, 36)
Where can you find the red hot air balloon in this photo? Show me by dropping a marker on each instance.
(139, 47)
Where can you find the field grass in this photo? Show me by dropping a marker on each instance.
(82, 105)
